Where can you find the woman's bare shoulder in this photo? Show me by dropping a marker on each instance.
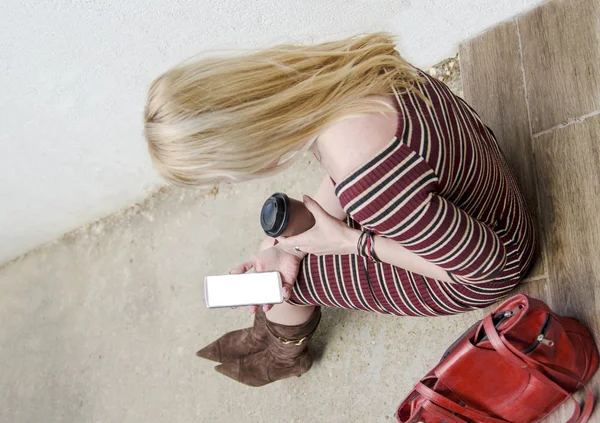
(352, 142)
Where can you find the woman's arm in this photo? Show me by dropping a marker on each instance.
(406, 209)
(438, 232)
(332, 236)
(389, 251)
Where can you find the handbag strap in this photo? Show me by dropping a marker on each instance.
(435, 409)
(512, 355)
(448, 404)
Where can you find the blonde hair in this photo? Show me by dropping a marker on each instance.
(236, 117)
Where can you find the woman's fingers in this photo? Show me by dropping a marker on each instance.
(291, 242)
(242, 268)
(314, 207)
(287, 291)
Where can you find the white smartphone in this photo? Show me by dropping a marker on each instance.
(243, 290)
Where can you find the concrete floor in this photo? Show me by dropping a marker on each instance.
(102, 326)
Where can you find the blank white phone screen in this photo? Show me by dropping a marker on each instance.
(245, 289)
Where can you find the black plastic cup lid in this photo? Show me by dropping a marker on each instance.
(275, 214)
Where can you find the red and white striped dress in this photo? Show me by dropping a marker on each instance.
(443, 190)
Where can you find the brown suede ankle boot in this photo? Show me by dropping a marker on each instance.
(285, 355)
(238, 343)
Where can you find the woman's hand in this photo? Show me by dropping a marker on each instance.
(328, 236)
(274, 259)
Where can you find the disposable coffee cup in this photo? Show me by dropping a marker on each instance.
(284, 216)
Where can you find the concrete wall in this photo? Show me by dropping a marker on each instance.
(73, 76)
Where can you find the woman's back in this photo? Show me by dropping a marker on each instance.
(472, 173)
(443, 190)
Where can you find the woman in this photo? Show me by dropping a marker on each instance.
(420, 214)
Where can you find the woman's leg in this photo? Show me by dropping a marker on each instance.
(290, 315)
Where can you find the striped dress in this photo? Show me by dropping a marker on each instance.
(442, 189)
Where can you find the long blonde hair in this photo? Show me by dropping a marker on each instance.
(225, 119)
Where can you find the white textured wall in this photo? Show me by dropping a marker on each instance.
(73, 76)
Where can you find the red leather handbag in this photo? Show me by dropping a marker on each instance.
(516, 365)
